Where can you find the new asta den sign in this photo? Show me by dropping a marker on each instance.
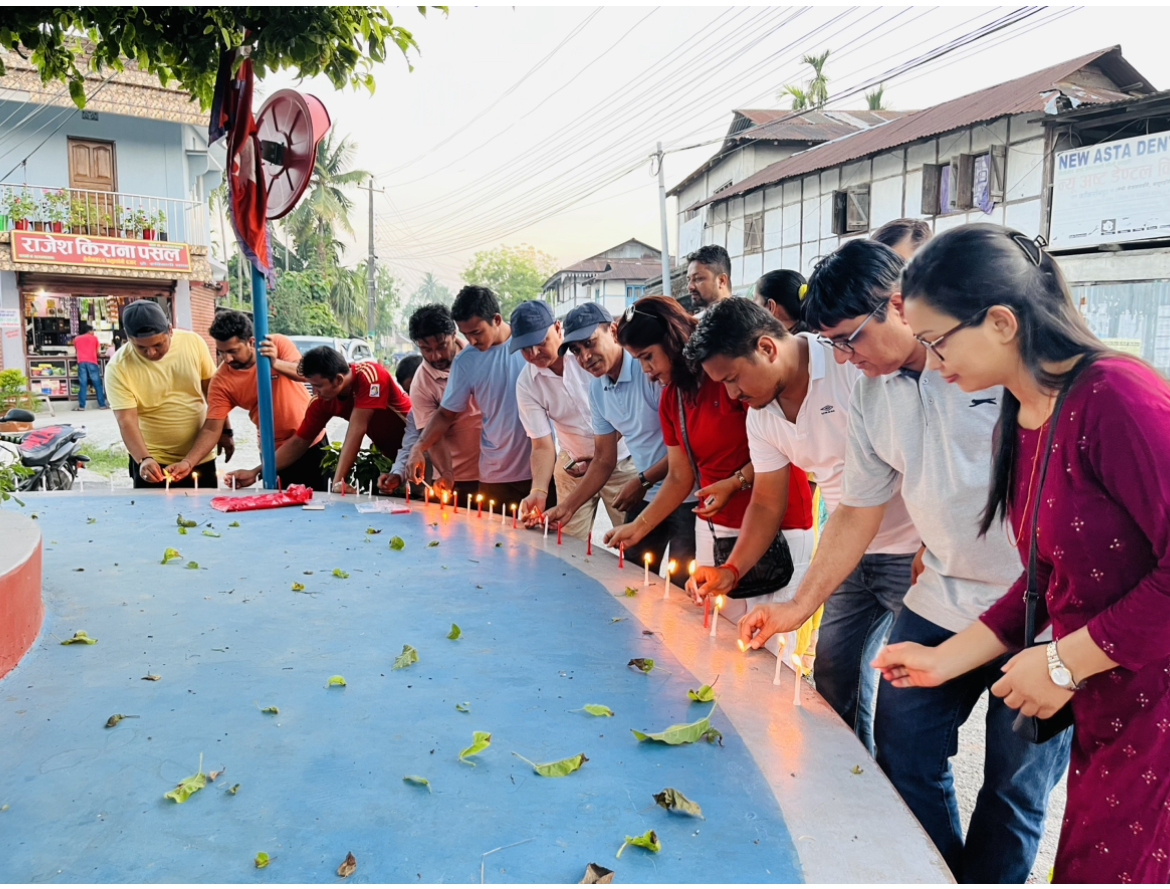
(1111, 193)
(110, 253)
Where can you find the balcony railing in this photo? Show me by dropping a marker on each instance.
(113, 214)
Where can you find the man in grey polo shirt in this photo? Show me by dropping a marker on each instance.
(906, 425)
(623, 403)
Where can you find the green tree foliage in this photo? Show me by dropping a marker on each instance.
(184, 43)
(799, 96)
(387, 299)
(815, 93)
(323, 212)
(429, 291)
(299, 304)
(875, 100)
(514, 274)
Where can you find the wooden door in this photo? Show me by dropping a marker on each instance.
(93, 174)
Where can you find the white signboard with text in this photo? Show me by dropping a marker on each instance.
(1110, 193)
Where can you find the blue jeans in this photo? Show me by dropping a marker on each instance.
(87, 373)
(917, 731)
(854, 626)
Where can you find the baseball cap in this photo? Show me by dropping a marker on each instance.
(582, 321)
(530, 323)
(144, 318)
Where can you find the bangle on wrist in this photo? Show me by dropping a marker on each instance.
(641, 518)
(539, 491)
(734, 571)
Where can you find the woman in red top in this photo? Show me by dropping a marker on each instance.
(993, 309)
(654, 330)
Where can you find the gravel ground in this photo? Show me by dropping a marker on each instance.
(102, 431)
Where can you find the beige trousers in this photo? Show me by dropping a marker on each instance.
(582, 522)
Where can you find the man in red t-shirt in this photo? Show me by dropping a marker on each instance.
(365, 394)
(88, 373)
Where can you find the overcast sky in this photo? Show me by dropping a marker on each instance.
(535, 124)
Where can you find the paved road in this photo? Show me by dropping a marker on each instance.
(102, 431)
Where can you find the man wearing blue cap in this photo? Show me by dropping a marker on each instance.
(552, 394)
(487, 373)
(623, 403)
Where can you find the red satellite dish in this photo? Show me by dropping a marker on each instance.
(290, 125)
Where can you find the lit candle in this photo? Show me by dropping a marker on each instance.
(513, 516)
(546, 527)
(691, 570)
(443, 508)
(491, 509)
(796, 689)
(621, 555)
(670, 568)
(196, 474)
(503, 513)
(469, 503)
(454, 500)
(478, 506)
(168, 477)
(647, 559)
(589, 544)
(740, 645)
(780, 640)
(715, 616)
(558, 533)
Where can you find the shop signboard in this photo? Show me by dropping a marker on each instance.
(97, 252)
(1112, 193)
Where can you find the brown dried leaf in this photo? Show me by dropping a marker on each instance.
(595, 873)
(347, 867)
(211, 776)
(152, 677)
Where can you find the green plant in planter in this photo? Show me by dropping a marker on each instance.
(14, 390)
(20, 207)
(158, 221)
(10, 478)
(366, 468)
(55, 206)
(140, 221)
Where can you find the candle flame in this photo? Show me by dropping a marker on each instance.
(479, 498)
(718, 601)
(742, 647)
(691, 567)
(444, 498)
(513, 507)
(491, 503)
(672, 567)
(648, 558)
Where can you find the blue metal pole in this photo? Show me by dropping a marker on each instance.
(263, 379)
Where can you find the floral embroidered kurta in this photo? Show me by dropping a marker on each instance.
(1103, 560)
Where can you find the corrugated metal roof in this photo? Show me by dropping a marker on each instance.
(1019, 96)
(629, 270)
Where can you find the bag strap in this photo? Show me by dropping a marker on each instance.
(682, 425)
(1032, 595)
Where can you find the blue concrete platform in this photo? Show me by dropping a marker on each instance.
(324, 776)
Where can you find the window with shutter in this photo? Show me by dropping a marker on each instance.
(753, 233)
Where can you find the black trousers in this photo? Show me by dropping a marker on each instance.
(678, 529)
(206, 472)
(307, 470)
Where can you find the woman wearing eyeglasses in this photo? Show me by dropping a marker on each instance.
(1082, 471)
(654, 330)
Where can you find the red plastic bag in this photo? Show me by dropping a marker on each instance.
(293, 495)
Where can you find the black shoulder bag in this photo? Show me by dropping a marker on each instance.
(774, 569)
(1033, 728)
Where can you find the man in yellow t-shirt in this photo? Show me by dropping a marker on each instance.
(157, 386)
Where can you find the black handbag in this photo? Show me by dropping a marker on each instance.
(1033, 728)
(774, 569)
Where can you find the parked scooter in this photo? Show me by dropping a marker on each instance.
(52, 453)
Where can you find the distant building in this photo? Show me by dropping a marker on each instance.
(613, 278)
(101, 206)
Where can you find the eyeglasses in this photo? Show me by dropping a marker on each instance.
(933, 344)
(846, 345)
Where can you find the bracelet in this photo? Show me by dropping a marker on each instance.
(744, 484)
(643, 518)
(734, 571)
(538, 491)
(228, 433)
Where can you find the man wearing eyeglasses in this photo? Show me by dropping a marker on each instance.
(907, 427)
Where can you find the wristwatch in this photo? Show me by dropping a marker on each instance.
(744, 484)
(1057, 671)
(646, 483)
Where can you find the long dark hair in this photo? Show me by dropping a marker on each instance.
(782, 287)
(661, 321)
(969, 269)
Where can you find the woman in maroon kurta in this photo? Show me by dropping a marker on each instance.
(992, 308)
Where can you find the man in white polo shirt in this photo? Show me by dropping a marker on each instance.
(800, 414)
(909, 429)
(552, 394)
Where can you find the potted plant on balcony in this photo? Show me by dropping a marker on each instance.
(144, 224)
(123, 221)
(82, 217)
(21, 208)
(55, 209)
(160, 224)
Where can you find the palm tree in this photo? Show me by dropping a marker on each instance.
(818, 87)
(799, 97)
(324, 210)
(875, 99)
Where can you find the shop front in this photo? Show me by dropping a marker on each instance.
(51, 284)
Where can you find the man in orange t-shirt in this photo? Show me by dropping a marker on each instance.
(234, 385)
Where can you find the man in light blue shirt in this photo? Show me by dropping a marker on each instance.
(623, 402)
(487, 372)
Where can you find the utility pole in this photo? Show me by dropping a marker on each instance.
(371, 274)
(667, 288)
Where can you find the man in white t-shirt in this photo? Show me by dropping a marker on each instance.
(552, 395)
(800, 414)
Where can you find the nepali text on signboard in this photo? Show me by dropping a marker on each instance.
(1113, 192)
(110, 253)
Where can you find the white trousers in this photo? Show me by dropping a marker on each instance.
(800, 544)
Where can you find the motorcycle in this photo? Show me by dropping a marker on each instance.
(51, 453)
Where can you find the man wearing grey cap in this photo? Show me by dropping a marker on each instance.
(157, 387)
(552, 395)
(623, 405)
